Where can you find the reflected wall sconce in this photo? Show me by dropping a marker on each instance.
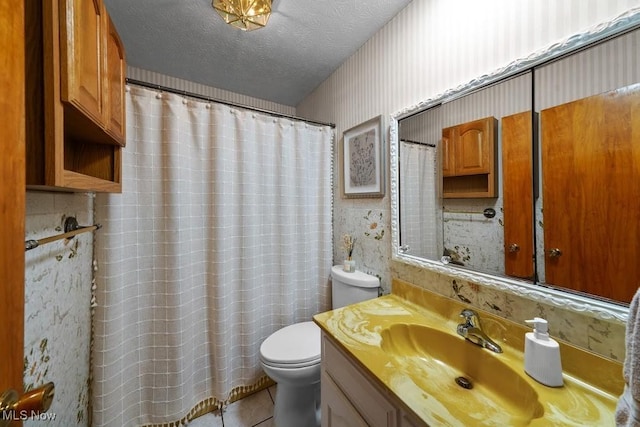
(247, 15)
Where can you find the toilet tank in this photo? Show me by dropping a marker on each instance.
(349, 288)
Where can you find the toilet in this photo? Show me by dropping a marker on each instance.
(291, 355)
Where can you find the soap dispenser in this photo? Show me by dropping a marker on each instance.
(542, 355)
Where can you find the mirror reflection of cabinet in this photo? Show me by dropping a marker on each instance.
(469, 159)
(464, 233)
(526, 210)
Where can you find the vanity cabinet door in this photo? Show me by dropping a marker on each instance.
(81, 31)
(366, 399)
(337, 411)
(407, 421)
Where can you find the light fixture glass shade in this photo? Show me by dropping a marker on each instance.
(244, 14)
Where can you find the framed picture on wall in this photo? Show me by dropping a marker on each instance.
(362, 160)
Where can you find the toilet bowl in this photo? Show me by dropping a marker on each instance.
(291, 355)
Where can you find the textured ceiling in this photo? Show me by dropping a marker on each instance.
(303, 43)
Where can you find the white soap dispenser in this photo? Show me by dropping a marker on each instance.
(542, 355)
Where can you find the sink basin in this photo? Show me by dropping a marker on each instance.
(436, 361)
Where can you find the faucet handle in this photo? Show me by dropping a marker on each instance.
(471, 317)
(468, 313)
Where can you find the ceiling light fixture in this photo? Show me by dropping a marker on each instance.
(244, 14)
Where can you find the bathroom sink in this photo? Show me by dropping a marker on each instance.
(472, 384)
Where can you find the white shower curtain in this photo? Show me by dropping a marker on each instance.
(418, 200)
(221, 236)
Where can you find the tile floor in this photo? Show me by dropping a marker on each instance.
(252, 411)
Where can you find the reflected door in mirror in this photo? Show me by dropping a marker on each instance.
(591, 193)
(517, 194)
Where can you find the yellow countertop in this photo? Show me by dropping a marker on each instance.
(591, 388)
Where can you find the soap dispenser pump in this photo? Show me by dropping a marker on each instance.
(542, 355)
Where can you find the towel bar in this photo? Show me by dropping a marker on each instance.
(71, 229)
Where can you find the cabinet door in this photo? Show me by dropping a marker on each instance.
(81, 32)
(408, 421)
(115, 82)
(368, 400)
(517, 194)
(337, 411)
(591, 193)
(446, 148)
(473, 147)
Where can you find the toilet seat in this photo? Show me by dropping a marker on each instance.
(294, 346)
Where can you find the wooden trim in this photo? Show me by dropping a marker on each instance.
(53, 110)
(80, 182)
(12, 193)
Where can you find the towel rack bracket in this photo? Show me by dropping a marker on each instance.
(71, 224)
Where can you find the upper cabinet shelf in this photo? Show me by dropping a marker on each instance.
(469, 159)
(76, 75)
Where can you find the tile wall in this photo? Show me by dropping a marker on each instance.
(58, 284)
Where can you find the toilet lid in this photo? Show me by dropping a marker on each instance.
(292, 345)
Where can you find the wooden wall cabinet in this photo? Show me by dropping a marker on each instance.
(77, 77)
(350, 399)
(469, 159)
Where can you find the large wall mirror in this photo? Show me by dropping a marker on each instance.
(529, 178)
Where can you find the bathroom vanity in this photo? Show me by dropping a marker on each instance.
(398, 361)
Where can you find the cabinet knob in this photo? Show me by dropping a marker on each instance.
(555, 253)
(514, 247)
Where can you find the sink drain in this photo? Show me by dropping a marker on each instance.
(464, 383)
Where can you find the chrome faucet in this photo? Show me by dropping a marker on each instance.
(472, 331)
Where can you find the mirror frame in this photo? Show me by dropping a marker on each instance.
(564, 299)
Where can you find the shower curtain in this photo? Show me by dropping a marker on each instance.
(418, 221)
(221, 236)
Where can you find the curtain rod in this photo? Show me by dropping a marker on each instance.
(428, 144)
(230, 104)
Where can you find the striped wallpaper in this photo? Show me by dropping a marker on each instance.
(220, 94)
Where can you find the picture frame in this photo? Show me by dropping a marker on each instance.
(363, 160)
